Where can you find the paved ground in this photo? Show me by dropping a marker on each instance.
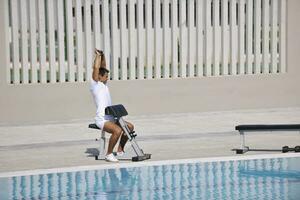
(166, 137)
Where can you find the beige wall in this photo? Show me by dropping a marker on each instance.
(55, 102)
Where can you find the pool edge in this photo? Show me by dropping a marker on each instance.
(142, 164)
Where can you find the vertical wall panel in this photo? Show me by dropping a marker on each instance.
(199, 36)
(257, 38)
(241, 32)
(274, 39)
(70, 41)
(106, 31)
(96, 25)
(79, 40)
(15, 39)
(191, 38)
(42, 42)
(140, 41)
(61, 41)
(5, 38)
(88, 40)
(114, 39)
(265, 36)
(183, 38)
(216, 38)
(123, 37)
(24, 43)
(132, 42)
(33, 40)
(157, 40)
(166, 39)
(249, 37)
(282, 37)
(233, 37)
(225, 38)
(51, 41)
(208, 38)
(174, 46)
(149, 39)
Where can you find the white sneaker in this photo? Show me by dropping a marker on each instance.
(111, 158)
(120, 153)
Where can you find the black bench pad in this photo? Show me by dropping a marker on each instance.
(269, 127)
(116, 110)
(94, 126)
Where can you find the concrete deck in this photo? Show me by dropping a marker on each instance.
(166, 137)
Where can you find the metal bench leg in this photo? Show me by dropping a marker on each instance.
(102, 144)
(242, 140)
(140, 155)
(243, 148)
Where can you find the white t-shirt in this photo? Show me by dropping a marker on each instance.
(102, 99)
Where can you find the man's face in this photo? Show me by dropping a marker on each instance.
(103, 78)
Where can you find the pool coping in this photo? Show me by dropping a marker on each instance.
(143, 164)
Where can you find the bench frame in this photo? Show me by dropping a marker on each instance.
(259, 128)
(102, 147)
(118, 111)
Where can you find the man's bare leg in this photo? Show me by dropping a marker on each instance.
(115, 131)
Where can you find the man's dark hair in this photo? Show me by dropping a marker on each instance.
(102, 71)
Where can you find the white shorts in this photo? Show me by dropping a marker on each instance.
(107, 118)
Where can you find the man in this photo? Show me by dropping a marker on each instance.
(102, 99)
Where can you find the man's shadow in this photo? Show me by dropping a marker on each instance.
(92, 152)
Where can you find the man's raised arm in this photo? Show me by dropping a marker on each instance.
(97, 65)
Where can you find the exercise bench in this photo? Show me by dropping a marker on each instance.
(259, 128)
(118, 111)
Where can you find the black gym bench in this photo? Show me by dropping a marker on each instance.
(118, 111)
(259, 128)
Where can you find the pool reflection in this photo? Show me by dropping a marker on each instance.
(249, 179)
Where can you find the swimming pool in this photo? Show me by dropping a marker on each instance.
(246, 177)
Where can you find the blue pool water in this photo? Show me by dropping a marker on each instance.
(274, 178)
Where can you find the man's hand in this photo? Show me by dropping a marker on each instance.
(102, 56)
(98, 52)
